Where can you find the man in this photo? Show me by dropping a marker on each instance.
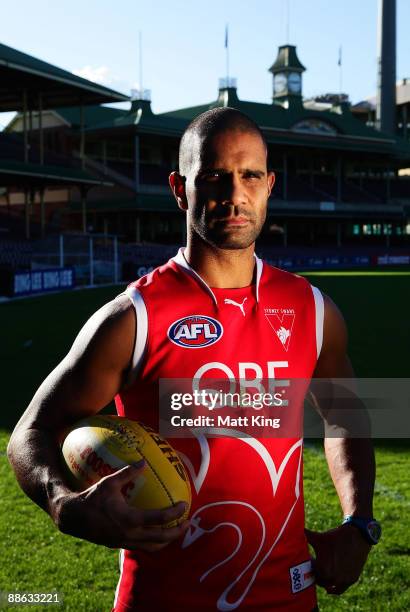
(245, 546)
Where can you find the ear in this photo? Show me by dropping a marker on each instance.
(177, 184)
(271, 182)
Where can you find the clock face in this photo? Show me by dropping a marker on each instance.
(280, 83)
(294, 82)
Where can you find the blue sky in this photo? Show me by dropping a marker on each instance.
(183, 43)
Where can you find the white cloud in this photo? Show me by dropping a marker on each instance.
(98, 74)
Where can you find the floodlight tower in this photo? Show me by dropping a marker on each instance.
(386, 62)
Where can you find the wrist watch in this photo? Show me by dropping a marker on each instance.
(370, 529)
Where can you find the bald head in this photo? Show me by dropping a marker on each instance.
(204, 127)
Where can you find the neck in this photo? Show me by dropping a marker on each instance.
(221, 268)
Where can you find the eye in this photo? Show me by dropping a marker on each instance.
(252, 175)
(211, 175)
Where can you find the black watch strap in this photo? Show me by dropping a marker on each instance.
(369, 527)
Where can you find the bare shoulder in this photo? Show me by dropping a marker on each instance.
(334, 326)
(333, 359)
(112, 329)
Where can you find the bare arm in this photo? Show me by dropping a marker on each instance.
(350, 460)
(342, 552)
(94, 370)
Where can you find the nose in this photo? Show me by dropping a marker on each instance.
(234, 192)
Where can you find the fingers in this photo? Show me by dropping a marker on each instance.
(153, 539)
(329, 584)
(145, 518)
(164, 534)
(321, 579)
(338, 589)
(123, 479)
(149, 539)
(125, 474)
(334, 565)
(144, 529)
(129, 517)
(119, 525)
(323, 564)
(129, 514)
(165, 516)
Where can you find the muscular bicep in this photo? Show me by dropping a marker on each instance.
(92, 372)
(333, 360)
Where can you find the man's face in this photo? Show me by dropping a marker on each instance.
(227, 188)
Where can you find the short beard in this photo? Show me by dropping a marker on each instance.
(222, 239)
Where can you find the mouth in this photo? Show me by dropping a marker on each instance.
(234, 221)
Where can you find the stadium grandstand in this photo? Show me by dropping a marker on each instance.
(70, 164)
(29, 167)
(35, 176)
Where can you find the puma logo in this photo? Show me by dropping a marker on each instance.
(240, 306)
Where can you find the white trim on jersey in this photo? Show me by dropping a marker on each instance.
(182, 262)
(142, 326)
(259, 270)
(320, 317)
(121, 564)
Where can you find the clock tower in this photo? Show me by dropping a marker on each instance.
(287, 76)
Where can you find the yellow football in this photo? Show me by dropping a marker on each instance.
(102, 444)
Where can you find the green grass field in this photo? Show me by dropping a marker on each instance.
(36, 333)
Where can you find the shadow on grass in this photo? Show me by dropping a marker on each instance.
(35, 335)
(399, 445)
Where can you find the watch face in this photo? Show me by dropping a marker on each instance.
(280, 83)
(374, 530)
(294, 82)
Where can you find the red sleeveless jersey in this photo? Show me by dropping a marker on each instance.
(245, 548)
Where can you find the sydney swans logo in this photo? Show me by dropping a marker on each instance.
(195, 531)
(281, 321)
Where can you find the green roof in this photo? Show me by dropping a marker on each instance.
(141, 117)
(278, 124)
(93, 115)
(20, 71)
(17, 173)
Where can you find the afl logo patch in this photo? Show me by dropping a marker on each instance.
(195, 331)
